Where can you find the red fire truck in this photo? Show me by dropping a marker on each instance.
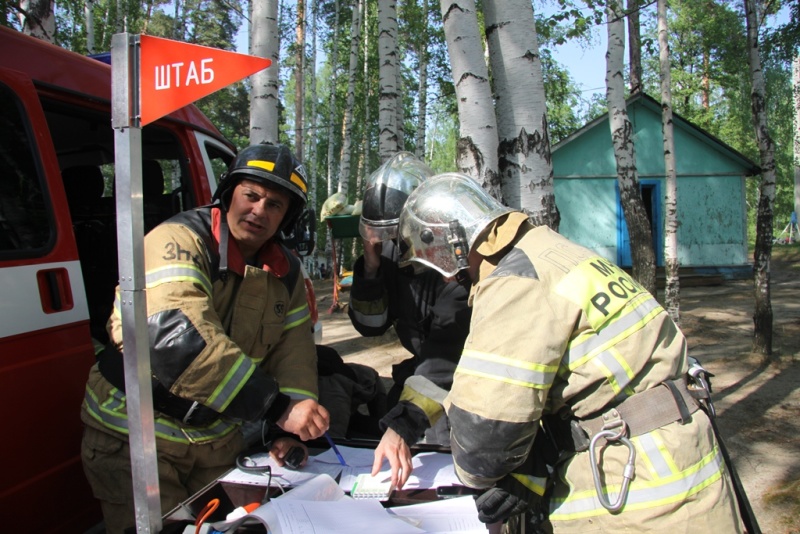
(58, 258)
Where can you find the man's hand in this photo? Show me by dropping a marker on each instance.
(281, 446)
(372, 258)
(508, 497)
(393, 448)
(305, 418)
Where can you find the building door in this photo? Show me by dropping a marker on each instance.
(651, 196)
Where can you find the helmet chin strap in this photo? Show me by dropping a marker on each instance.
(457, 237)
(463, 278)
(223, 245)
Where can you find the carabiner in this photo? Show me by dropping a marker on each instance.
(627, 471)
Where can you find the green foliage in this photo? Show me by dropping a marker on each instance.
(711, 85)
(711, 88)
(563, 99)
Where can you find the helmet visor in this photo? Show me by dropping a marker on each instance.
(377, 231)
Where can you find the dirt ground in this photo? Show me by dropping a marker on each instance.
(757, 401)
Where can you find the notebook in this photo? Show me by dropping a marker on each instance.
(368, 487)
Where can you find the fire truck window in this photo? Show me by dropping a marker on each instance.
(24, 220)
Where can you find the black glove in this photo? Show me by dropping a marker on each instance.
(508, 497)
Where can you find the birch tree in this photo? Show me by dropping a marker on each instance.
(37, 19)
(641, 240)
(265, 42)
(422, 96)
(762, 317)
(299, 87)
(347, 129)
(400, 127)
(526, 170)
(796, 130)
(88, 17)
(635, 49)
(367, 91)
(388, 101)
(672, 287)
(311, 140)
(332, 179)
(476, 148)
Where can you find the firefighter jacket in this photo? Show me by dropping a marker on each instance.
(232, 346)
(431, 318)
(558, 330)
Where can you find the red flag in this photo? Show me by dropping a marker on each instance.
(174, 74)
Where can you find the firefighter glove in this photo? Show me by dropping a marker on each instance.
(508, 497)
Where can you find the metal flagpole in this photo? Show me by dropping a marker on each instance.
(130, 237)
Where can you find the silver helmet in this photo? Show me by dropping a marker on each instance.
(441, 220)
(385, 194)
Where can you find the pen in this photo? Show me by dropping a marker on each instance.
(335, 450)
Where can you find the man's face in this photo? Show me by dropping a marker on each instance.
(255, 214)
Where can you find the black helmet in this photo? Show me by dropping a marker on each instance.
(269, 165)
(385, 194)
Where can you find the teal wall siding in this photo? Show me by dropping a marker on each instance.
(588, 210)
(712, 223)
(590, 155)
(711, 189)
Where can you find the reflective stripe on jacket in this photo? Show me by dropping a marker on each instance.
(220, 342)
(556, 327)
(431, 318)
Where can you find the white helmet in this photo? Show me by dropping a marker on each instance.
(385, 194)
(442, 219)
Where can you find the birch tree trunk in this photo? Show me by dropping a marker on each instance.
(332, 178)
(311, 140)
(526, 170)
(37, 19)
(796, 98)
(762, 317)
(120, 16)
(641, 238)
(476, 148)
(363, 152)
(635, 41)
(313, 120)
(347, 130)
(299, 87)
(387, 53)
(88, 16)
(367, 94)
(422, 97)
(399, 108)
(672, 298)
(265, 42)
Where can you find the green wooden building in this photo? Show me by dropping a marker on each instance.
(712, 215)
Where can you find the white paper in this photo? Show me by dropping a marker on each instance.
(353, 456)
(320, 488)
(431, 470)
(445, 515)
(344, 516)
(283, 476)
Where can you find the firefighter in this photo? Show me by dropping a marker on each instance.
(564, 337)
(429, 315)
(230, 339)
